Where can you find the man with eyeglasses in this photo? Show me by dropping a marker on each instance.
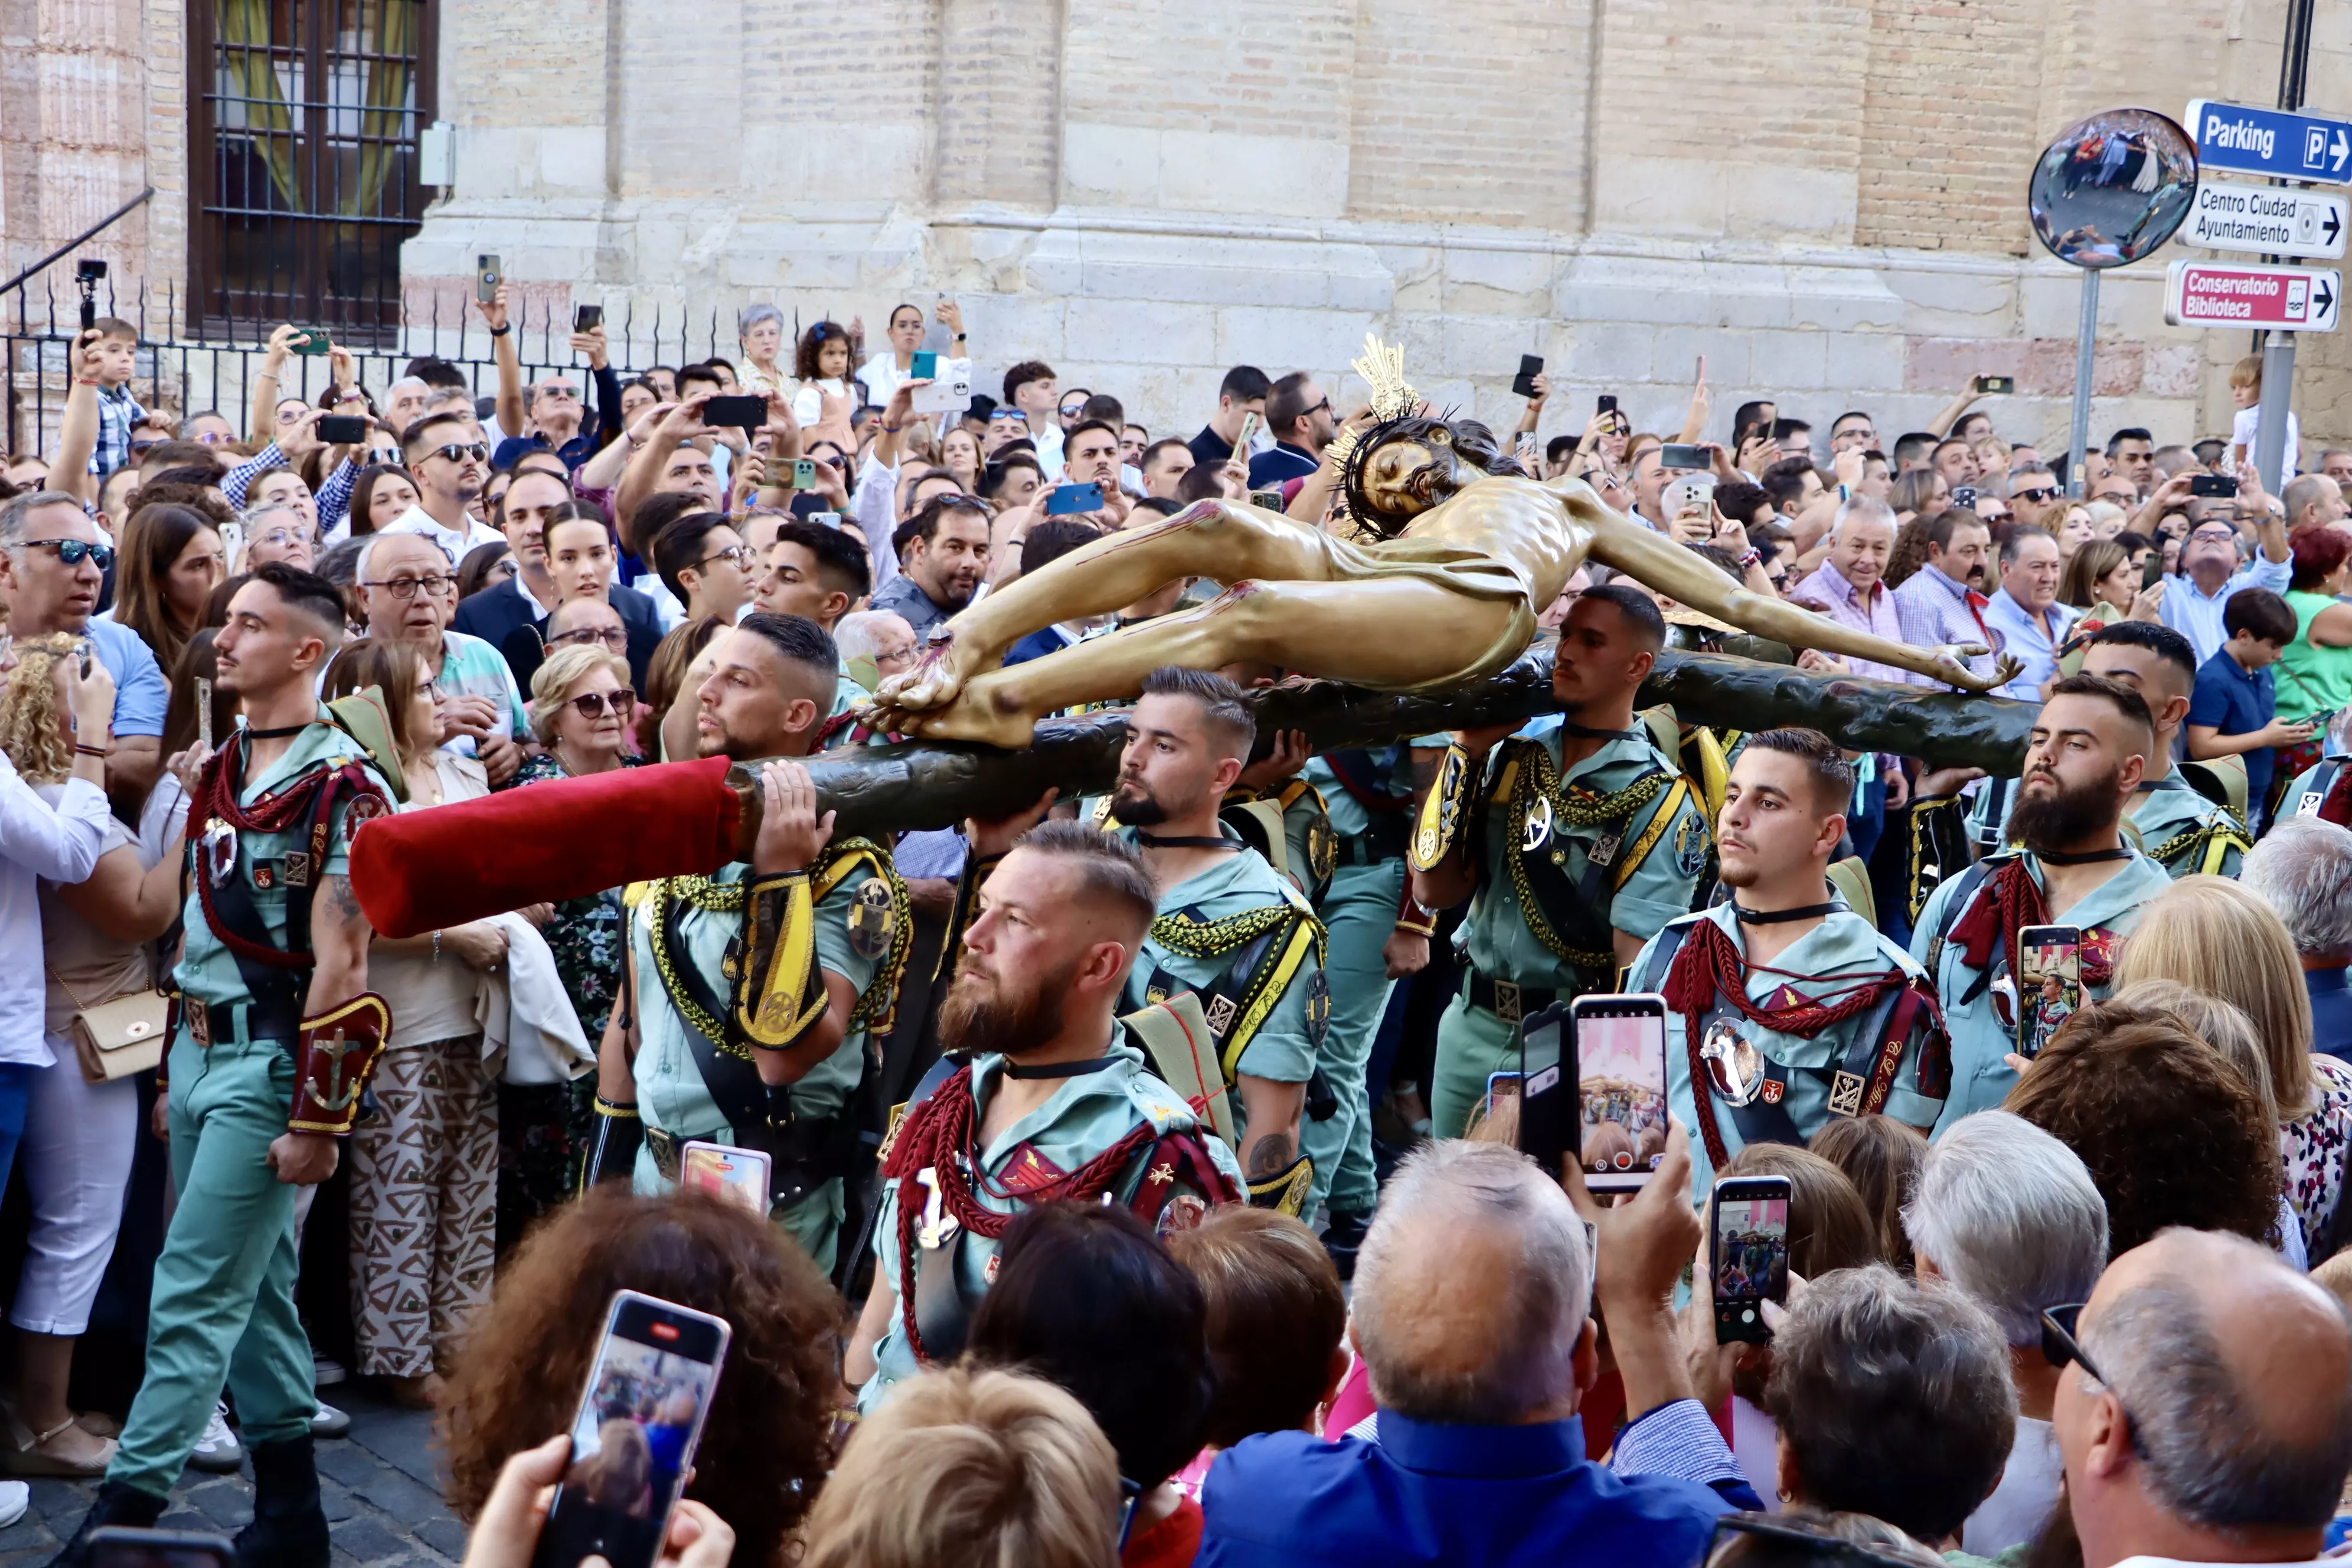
(508, 615)
(446, 458)
(53, 560)
(1299, 412)
(558, 421)
(2196, 594)
(2203, 1405)
(409, 590)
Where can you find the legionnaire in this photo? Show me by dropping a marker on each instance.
(1042, 1097)
(2324, 790)
(2178, 826)
(2088, 750)
(1580, 840)
(1229, 929)
(749, 993)
(276, 1035)
(1784, 1007)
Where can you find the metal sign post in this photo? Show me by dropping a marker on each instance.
(2270, 429)
(2086, 332)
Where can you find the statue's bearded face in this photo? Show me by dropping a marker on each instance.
(1408, 477)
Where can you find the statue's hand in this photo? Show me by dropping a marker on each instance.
(1952, 662)
(934, 681)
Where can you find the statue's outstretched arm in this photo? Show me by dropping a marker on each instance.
(1673, 571)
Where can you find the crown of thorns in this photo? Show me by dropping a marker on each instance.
(1395, 408)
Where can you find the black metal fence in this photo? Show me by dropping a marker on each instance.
(184, 376)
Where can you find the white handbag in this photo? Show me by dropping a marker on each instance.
(121, 1036)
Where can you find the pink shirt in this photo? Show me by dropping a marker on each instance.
(1876, 615)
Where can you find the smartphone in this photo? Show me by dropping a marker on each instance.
(1619, 1057)
(1067, 499)
(926, 366)
(2002, 384)
(633, 1442)
(2151, 571)
(737, 1175)
(1964, 497)
(2220, 486)
(1674, 455)
(1543, 1114)
(204, 713)
(488, 275)
(88, 271)
(587, 317)
(1524, 383)
(1606, 404)
(1749, 1253)
(120, 1546)
(1267, 500)
(313, 341)
(87, 650)
(1522, 446)
(744, 413)
(342, 430)
(805, 473)
(1249, 422)
(829, 519)
(2049, 984)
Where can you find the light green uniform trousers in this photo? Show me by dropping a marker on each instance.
(815, 1222)
(223, 1306)
(1358, 910)
(1472, 1044)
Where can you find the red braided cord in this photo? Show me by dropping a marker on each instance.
(273, 812)
(2009, 901)
(2337, 807)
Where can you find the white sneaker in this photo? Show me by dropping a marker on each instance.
(15, 1497)
(329, 1421)
(326, 1371)
(217, 1450)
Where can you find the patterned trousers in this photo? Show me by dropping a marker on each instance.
(424, 1205)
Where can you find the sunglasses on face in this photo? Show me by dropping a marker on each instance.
(434, 583)
(592, 704)
(2038, 494)
(74, 551)
(458, 454)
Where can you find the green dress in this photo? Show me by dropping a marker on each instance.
(2312, 677)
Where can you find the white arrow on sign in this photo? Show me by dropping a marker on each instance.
(2338, 151)
(2266, 220)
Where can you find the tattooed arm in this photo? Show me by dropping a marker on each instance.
(339, 936)
(1270, 1140)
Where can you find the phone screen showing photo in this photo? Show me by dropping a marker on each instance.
(1621, 1088)
(2049, 984)
(737, 1175)
(1751, 1256)
(634, 1438)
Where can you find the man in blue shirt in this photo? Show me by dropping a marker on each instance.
(2234, 710)
(47, 592)
(2303, 869)
(2209, 575)
(1473, 1314)
(1299, 412)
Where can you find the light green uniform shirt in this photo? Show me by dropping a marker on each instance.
(207, 970)
(2167, 807)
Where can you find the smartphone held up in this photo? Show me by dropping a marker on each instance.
(1618, 1054)
(1748, 1251)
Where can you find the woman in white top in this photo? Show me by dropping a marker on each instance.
(762, 334)
(424, 1172)
(888, 371)
(78, 1136)
(827, 398)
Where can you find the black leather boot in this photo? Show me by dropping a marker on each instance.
(289, 1528)
(118, 1502)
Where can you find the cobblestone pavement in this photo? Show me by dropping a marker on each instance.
(380, 1484)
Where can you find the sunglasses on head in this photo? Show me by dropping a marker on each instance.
(74, 551)
(592, 704)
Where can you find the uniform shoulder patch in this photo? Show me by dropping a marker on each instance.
(1158, 1104)
(1691, 843)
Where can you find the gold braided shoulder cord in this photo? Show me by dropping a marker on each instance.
(1214, 939)
(2212, 836)
(877, 1005)
(712, 898)
(1537, 778)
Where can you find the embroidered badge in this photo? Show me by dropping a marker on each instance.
(363, 809)
(1845, 1094)
(1690, 845)
(988, 1269)
(1537, 831)
(1774, 1090)
(264, 876)
(1028, 1170)
(873, 916)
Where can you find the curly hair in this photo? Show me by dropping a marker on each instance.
(2170, 1131)
(1473, 444)
(809, 352)
(29, 731)
(519, 1373)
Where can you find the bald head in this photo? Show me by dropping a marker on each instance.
(1474, 1290)
(2236, 1373)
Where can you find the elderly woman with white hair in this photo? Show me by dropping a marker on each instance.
(2010, 1215)
(761, 330)
(2302, 871)
(274, 530)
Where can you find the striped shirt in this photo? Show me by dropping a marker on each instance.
(1934, 610)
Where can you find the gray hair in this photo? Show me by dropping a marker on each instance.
(367, 550)
(860, 636)
(2010, 1215)
(1861, 508)
(755, 314)
(2210, 1458)
(1531, 1331)
(2303, 869)
(251, 516)
(407, 381)
(1871, 1364)
(13, 515)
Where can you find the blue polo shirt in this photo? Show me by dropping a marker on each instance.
(2236, 700)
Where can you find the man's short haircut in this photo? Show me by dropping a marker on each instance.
(2206, 1452)
(1070, 437)
(1784, 480)
(308, 592)
(2260, 613)
(1852, 414)
(1102, 405)
(1949, 522)
(1156, 506)
(1749, 413)
(796, 639)
(678, 548)
(2128, 433)
(1022, 374)
(1784, 429)
(435, 371)
(416, 438)
(2115, 693)
(998, 473)
(1108, 868)
(189, 423)
(1288, 401)
(1530, 1337)
(2161, 640)
(1912, 445)
(1245, 383)
(1637, 609)
(1871, 1364)
(840, 567)
(925, 524)
(1201, 482)
(1557, 449)
(1948, 442)
(178, 454)
(2014, 545)
(1152, 453)
(2010, 1215)
(13, 516)
(1053, 538)
(1276, 1314)
(1833, 775)
(1224, 713)
(2308, 489)
(697, 372)
(1861, 508)
(2303, 869)
(1740, 500)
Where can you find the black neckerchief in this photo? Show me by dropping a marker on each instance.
(1748, 917)
(1153, 841)
(1586, 732)
(278, 735)
(2087, 858)
(1060, 1069)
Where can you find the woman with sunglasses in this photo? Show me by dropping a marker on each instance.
(582, 710)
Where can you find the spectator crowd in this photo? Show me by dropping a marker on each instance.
(2067, 1271)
